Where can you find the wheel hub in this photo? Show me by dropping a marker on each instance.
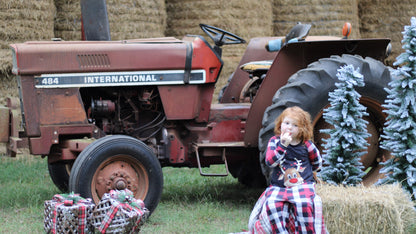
(118, 180)
(120, 185)
(119, 173)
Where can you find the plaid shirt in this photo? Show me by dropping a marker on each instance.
(288, 210)
(305, 155)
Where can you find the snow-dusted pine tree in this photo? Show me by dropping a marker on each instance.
(400, 131)
(347, 141)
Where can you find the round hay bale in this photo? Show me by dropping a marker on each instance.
(375, 209)
(23, 20)
(245, 18)
(386, 19)
(326, 16)
(130, 19)
(68, 20)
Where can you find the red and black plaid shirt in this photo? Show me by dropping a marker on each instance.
(281, 158)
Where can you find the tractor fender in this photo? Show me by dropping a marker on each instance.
(295, 56)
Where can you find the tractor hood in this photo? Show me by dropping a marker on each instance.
(149, 55)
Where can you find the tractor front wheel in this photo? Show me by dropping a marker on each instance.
(118, 162)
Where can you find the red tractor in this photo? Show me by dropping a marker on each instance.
(111, 114)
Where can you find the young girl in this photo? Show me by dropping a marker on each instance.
(290, 203)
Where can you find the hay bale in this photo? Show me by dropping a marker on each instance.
(326, 16)
(130, 19)
(5, 61)
(235, 16)
(68, 20)
(22, 21)
(245, 18)
(8, 88)
(386, 19)
(382, 209)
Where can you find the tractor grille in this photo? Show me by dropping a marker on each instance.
(93, 60)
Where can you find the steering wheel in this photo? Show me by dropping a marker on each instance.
(220, 36)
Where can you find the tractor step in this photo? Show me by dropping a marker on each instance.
(224, 146)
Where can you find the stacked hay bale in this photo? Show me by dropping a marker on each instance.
(131, 19)
(34, 20)
(21, 21)
(128, 19)
(245, 18)
(382, 209)
(68, 20)
(386, 19)
(326, 16)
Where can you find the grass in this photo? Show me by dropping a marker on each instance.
(190, 203)
(195, 204)
(24, 186)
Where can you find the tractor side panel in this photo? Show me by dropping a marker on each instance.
(187, 101)
(50, 113)
(30, 108)
(49, 106)
(61, 106)
(180, 102)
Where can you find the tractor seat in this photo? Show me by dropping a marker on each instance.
(254, 66)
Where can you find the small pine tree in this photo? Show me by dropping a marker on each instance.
(347, 141)
(400, 131)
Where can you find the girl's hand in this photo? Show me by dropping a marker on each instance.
(285, 139)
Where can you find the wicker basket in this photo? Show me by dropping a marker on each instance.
(68, 214)
(119, 212)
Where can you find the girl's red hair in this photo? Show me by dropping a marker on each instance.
(302, 118)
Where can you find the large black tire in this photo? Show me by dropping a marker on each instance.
(118, 162)
(309, 89)
(59, 173)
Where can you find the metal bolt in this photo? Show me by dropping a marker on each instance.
(120, 185)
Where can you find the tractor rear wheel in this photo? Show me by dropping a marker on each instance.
(118, 162)
(248, 173)
(309, 88)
